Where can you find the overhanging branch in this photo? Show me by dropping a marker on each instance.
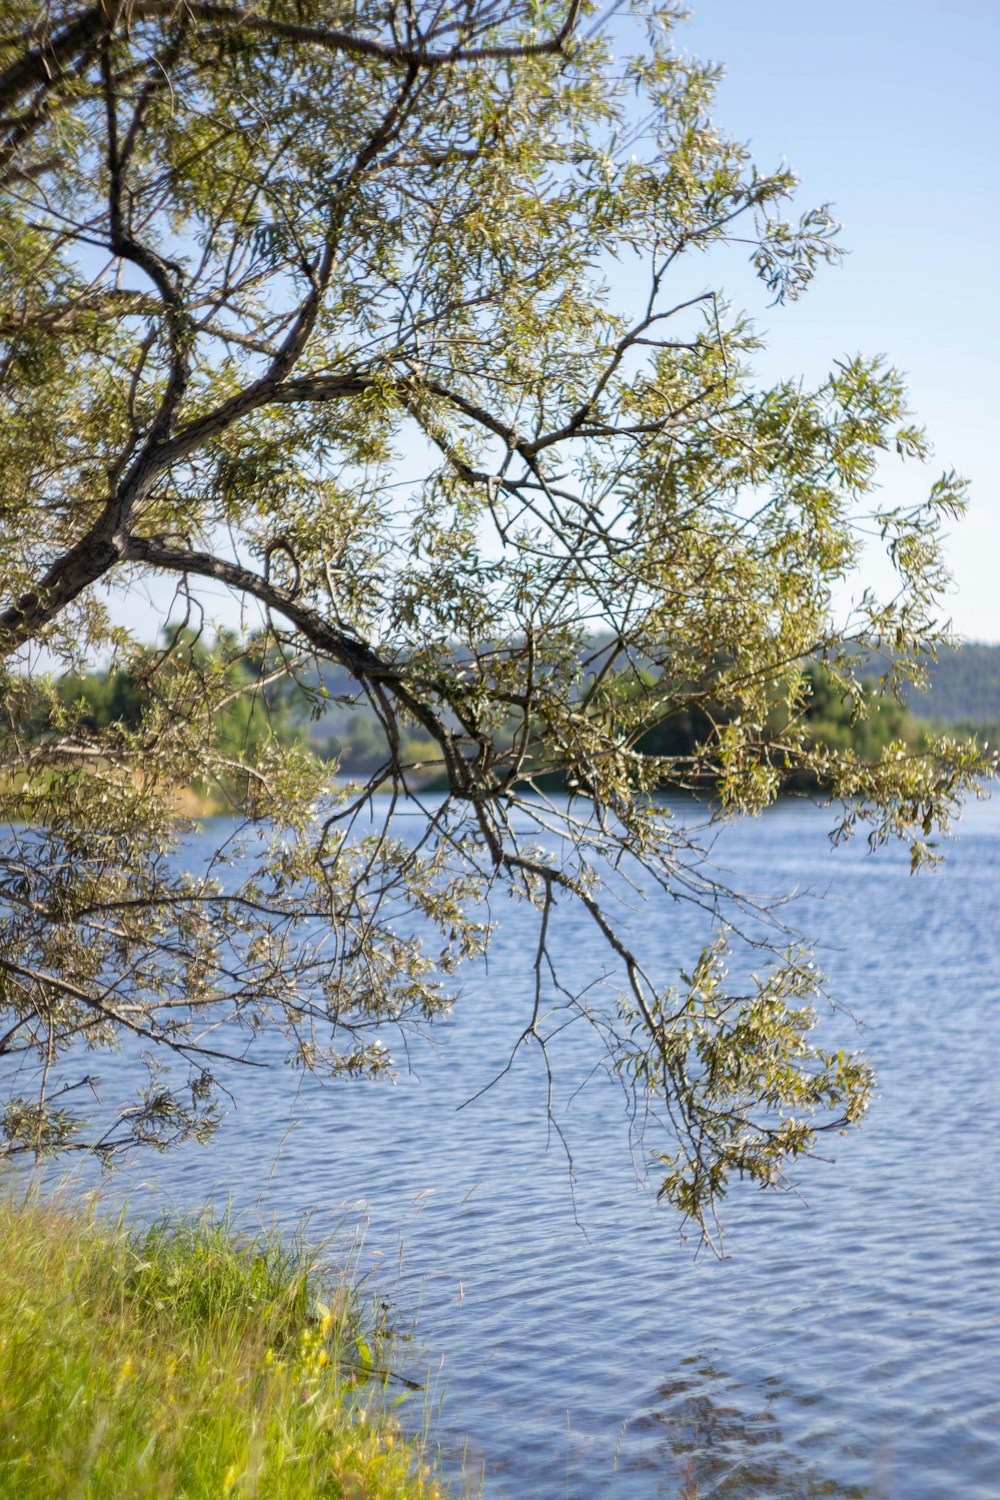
(354, 654)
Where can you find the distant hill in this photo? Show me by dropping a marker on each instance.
(964, 687)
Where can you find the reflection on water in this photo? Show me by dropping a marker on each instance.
(849, 1347)
(700, 1432)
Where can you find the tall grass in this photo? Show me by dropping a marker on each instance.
(185, 1362)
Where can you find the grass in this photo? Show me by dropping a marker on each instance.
(186, 1361)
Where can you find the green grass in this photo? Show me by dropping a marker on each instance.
(186, 1361)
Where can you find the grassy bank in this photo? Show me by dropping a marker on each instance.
(185, 1362)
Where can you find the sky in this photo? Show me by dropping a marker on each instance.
(890, 111)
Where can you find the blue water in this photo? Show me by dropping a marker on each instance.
(848, 1346)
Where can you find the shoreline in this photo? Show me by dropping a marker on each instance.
(187, 1357)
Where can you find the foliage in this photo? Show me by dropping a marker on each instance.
(255, 709)
(395, 322)
(864, 725)
(186, 1359)
(88, 711)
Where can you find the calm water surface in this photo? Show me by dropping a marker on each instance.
(849, 1346)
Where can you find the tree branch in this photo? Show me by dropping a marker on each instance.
(45, 62)
(360, 660)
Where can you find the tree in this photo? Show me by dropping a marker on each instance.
(256, 705)
(393, 320)
(865, 722)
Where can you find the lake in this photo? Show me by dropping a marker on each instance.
(849, 1345)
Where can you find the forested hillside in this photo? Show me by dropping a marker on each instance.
(964, 687)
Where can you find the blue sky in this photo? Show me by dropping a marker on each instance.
(890, 110)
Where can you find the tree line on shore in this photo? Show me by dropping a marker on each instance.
(321, 713)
